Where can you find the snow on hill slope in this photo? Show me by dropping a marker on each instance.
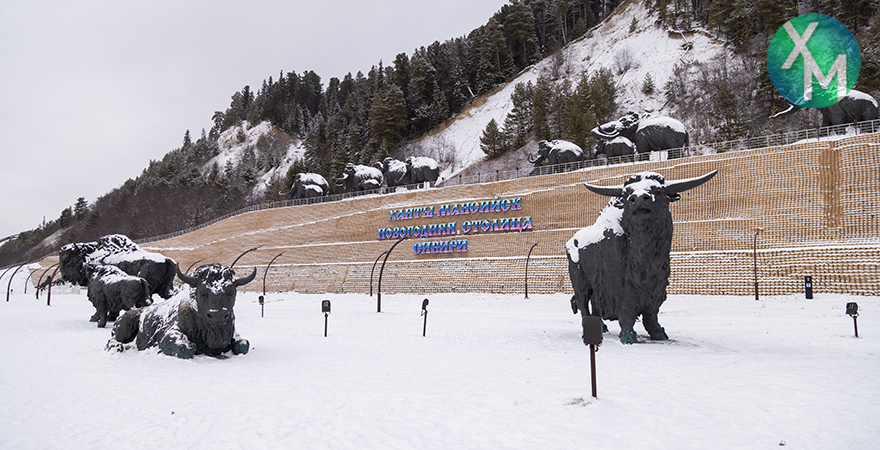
(235, 141)
(653, 50)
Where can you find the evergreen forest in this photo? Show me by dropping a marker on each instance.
(365, 117)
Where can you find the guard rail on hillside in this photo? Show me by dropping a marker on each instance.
(771, 140)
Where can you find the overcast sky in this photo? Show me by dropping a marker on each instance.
(91, 91)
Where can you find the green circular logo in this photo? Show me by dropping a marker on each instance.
(813, 61)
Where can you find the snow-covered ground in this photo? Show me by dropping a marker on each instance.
(493, 372)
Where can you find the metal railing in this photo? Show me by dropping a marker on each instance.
(773, 140)
(770, 140)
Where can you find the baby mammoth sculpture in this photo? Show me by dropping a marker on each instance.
(620, 264)
(619, 147)
(394, 171)
(307, 185)
(556, 152)
(356, 177)
(197, 320)
(650, 133)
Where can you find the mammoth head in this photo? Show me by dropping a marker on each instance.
(385, 164)
(627, 125)
(543, 150)
(347, 172)
(214, 289)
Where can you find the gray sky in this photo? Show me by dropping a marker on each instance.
(92, 90)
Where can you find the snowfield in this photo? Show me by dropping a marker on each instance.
(493, 372)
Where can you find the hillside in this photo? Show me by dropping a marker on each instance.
(650, 49)
(699, 74)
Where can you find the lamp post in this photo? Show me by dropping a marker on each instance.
(244, 253)
(852, 310)
(529, 256)
(755, 258)
(425, 313)
(381, 270)
(325, 308)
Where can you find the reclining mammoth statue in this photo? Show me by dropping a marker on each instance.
(307, 185)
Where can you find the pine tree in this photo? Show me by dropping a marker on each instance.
(648, 85)
(66, 217)
(603, 94)
(541, 97)
(80, 208)
(492, 140)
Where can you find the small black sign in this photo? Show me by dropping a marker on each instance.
(592, 330)
(325, 306)
(852, 309)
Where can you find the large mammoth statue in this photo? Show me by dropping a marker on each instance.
(556, 152)
(307, 185)
(857, 106)
(360, 178)
(651, 133)
(395, 172)
(422, 169)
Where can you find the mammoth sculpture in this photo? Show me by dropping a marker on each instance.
(117, 250)
(651, 133)
(360, 178)
(307, 185)
(556, 152)
(620, 264)
(615, 148)
(198, 320)
(111, 290)
(422, 169)
(857, 106)
(395, 171)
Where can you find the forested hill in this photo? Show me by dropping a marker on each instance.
(297, 121)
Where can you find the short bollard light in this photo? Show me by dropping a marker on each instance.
(262, 302)
(425, 313)
(808, 287)
(325, 308)
(593, 338)
(852, 310)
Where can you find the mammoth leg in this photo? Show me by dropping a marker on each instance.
(652, 326)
